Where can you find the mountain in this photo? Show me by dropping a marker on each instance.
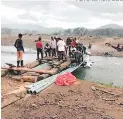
(30, 28)
(106, 30)
(112, 26)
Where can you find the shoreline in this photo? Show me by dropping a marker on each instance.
(80, 100)
(94, 53)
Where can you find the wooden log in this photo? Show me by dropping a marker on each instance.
(32, 79)
(49, 71)
(36, 78)
(65, 65)
(13, 97)
(29, 65)
(25, 78)
(43, 71)
(27, 70)
(55, 64)
(32, 64)
(37, 74)
(29, 77)
(4, 72)
(49, 58)
(61, 67)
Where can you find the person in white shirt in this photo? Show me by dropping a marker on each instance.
(61, 49)
(53, 46)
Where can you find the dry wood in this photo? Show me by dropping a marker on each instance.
(62, 66)
(108, 99)
(53, 70)
(27, 70)
(29, 65)
(29, 76)
(13, 97)
(105, 91)
(32, 64)
(9, 101)
(49, 58)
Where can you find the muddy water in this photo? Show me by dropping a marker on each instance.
(8, 55)
(108, 70)
(12, 58)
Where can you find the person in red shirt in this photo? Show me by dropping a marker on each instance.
(73, 43)
(39, 47)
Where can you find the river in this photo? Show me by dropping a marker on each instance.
(108, 70)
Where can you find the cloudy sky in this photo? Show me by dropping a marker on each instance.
(62, 13)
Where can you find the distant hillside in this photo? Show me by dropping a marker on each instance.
(106, 30)
(112, 26)
(29, 28)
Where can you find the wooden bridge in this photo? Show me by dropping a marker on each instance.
(40, 78)
(30, 74)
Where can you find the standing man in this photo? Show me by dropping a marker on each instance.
(39, 47)
(53, 46)
(73, 43)
(19, 46)
(61, 49)
(68, 43)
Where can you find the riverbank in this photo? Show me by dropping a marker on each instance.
(98, 43)
(76, 101)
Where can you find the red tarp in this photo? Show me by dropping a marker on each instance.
(65, 79)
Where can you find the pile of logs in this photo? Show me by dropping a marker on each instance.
(28, 73)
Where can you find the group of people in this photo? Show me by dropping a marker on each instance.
(56, 47)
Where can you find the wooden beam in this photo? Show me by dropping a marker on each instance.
(29, 65)
(43, 71)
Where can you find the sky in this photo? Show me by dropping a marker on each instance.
(63, 13)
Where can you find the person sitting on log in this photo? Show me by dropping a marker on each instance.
(72, 49)
(77, 55)
(20, 49)
(61, 49)
(39, 47)
(47, 49)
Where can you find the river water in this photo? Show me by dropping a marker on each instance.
(108, 70)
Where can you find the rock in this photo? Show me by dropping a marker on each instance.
(34, 105)
(53, 117)
(107, 117)
(93, 88)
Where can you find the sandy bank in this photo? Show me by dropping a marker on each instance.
(69, 102)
